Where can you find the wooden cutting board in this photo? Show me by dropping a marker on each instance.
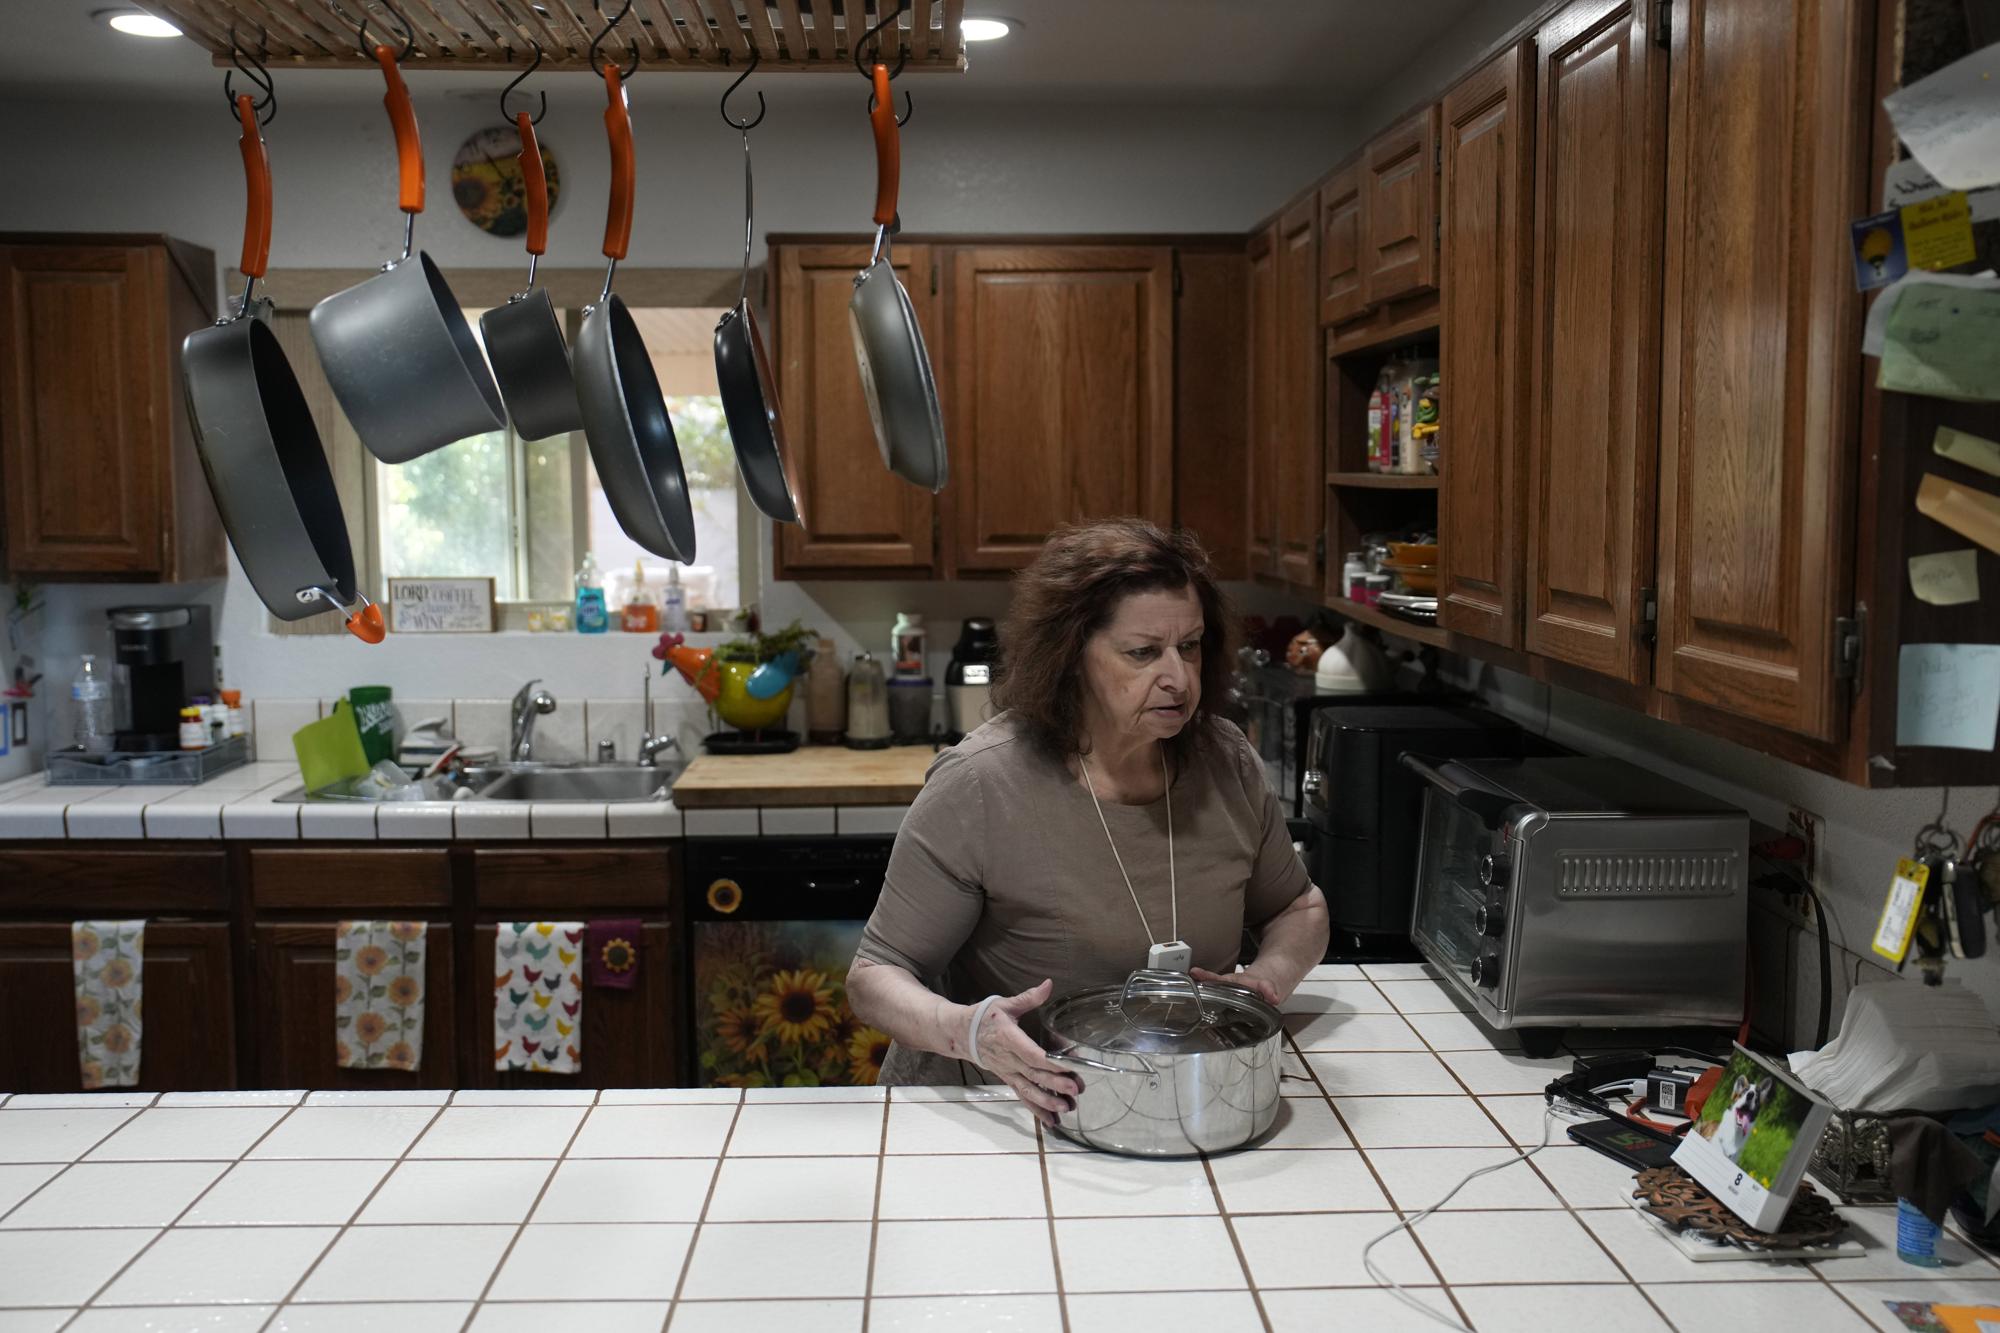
(809, 775)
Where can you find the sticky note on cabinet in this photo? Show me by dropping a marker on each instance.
(1948, 695)
(1944, 342)
(1965, 510)
(1937, 233)
(1948, 578)
(1962, 446)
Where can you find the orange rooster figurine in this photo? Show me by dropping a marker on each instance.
(696, 665)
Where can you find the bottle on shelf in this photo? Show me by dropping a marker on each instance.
(591, 615)
(91, 693)
(673, 602)
(640, 611)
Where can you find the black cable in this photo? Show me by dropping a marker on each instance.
(1825, 966)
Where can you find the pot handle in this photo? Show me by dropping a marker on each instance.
(618, 127)
(1069, 1056)
(366, 624)
(1163, 974)
(535, 183)
(888, 149)
(409, 148)
(256, 192)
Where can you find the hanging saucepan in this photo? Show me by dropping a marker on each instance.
(749, 398)
(258, 445)
(624, 415)
(895, 369)
(1178, 1066)
(397, 349)
(524, 339)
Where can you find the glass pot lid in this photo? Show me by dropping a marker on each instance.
(1163, 1013)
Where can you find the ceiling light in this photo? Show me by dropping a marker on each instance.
(135, 24)
(985, 30)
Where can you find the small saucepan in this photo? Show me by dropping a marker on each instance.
(524, 339)
(396, 348)
(257, 442)
(625, 417)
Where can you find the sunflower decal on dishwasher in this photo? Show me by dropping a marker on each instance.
(725, 896)
(797, 1008)
(771, 1005)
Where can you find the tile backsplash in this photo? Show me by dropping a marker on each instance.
(568, 735)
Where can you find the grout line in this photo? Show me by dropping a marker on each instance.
(1049, 1216)
(707, 1202)
(874, 1219)
(133, 1113)
(521, 1227)
(1235, 1242)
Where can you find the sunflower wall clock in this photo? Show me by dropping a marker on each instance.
(486, 180)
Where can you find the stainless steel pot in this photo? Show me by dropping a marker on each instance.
(1176, 1067)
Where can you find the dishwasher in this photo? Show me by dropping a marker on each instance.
(772, 926)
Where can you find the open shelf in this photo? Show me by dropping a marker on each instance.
(1388, 624)
(1383, 481)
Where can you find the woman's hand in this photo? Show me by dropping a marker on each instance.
(1003, 1048)
(1245, 980)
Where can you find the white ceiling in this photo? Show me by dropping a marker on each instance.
(1328, 53)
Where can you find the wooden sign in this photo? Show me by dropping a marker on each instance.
(441, 606)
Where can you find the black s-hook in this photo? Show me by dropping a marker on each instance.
(361, 31)
(541, 111)
(632, 64)
(744, 125)
(267, 107)
(873, 34)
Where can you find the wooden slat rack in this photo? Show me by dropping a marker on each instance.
(500, 35)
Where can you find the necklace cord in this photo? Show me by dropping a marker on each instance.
(1173, 880)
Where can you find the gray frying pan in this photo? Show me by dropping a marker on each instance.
(524, 340)
(625, 418)
(396, 348)
(258, 445)
(895, 369)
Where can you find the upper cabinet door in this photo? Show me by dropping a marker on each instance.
(1399, 214)
(84, 431)
(1758, 371)
(1060, 394)
(1263, 320)
(1485, 194)
(1300, 467)
(1593, 432)
(1343, 222)
(859, 515)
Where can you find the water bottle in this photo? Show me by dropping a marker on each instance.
(1916, 1236)
(91, 693)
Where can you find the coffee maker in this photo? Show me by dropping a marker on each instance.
(162, 656)
(968, 681)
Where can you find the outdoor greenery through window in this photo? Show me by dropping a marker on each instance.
(525, 512)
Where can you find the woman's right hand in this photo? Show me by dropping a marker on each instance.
(1005, 1049)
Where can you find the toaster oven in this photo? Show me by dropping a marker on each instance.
(1581, 892)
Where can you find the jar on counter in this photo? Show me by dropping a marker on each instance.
(867, 705)
(194, 730)
(826, 696)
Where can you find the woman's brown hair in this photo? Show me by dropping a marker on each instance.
(1069, 594)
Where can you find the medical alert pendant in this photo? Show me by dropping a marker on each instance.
(1173, 956)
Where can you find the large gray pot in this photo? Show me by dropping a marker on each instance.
(1175, 1067)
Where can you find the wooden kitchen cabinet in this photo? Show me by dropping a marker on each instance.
(1592, 455)
(860, 518)
(1485, 207)
(1060, 395)
(1298, 469)
(1343, 225)
(188, 1033)
(295, 1038)
(97, 457)
(631, 1038)
(1759, 381)
(1398, 217)
(1261, 319)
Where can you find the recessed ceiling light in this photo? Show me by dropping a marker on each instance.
(133, 23)
(985, 30)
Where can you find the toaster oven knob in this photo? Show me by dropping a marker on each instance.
(1485, 969)
(1489, 919)
(1493, 870)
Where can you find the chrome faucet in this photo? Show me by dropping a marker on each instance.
(529, 703)
(650, 745)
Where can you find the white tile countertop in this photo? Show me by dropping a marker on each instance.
(843, 1209)
(242, 804)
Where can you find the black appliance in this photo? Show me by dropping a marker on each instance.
(773, 923)
(162, 657)
(968, 681)
(1363, 811)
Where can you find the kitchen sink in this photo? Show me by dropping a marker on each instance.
(607, 783)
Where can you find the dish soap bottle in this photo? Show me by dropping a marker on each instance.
(641, 612)
(673, 602)
(591, 616)
(91, 693)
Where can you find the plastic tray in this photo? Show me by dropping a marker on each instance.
(76, 768)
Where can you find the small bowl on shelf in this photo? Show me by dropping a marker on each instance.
(1414, 553)
(1411, 577)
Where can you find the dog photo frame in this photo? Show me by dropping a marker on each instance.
(1753, 1139)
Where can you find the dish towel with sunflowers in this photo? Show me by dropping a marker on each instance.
(538, 996)
(378, 994)
(109, 961)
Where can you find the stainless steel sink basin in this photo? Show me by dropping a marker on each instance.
(581, 784)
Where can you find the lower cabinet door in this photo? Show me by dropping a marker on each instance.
(631, 1038)
(296, 1040)
(188, 1029)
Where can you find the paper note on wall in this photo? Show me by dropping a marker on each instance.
(1874, 333)
(1943, 342)
(1966, 510)
(1962, 446)
(1951, 120)
(1948, 695)
(1948, 578)
(1906, 182)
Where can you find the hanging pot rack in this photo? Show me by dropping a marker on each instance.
(711, 35)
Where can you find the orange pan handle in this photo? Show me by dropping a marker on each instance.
(535, 182)
(256, 192)
(618, 127)
(366, 623)
(888, 149)
(409, 148)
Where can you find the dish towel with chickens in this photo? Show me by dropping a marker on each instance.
(378, 994)
(538, 996)
(108, 959)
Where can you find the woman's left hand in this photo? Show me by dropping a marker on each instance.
(1246, 980)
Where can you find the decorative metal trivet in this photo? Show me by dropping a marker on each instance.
(1675, 1197)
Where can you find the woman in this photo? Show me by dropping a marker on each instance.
(1104, 816)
